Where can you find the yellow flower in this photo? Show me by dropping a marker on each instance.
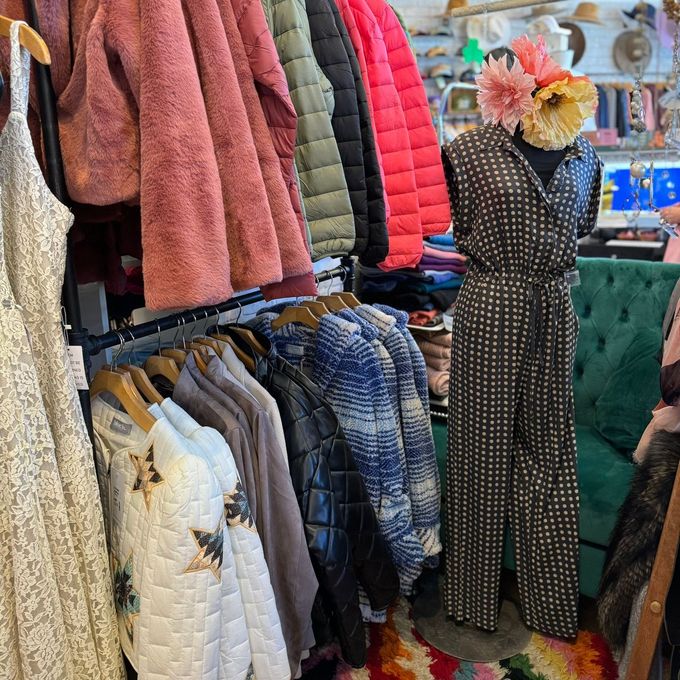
(558, 114)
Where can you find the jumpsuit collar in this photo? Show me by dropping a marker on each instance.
(498, 136)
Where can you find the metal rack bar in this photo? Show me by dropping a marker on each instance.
(98, 343)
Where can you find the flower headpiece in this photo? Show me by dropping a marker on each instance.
(547, 101)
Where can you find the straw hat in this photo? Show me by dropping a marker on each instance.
(541, 10)
(632, 52)
(577, 40)
(587, 12)
(456, 4)
(530, 13)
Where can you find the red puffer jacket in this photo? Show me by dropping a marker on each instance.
(391, 134)
(433, 197)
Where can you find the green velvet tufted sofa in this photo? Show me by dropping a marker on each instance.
(619, 302)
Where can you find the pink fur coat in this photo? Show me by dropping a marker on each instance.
(173, 122)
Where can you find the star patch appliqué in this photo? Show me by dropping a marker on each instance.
(237, 509)
(210, 551)
(147, 475)
(126, 597)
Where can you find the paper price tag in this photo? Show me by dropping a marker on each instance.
(75, 355)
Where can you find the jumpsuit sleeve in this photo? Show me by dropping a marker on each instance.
(589, 221)
(456, 180)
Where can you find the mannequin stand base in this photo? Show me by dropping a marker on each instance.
(467, 643)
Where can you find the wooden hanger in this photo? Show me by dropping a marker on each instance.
(120, 385)
(251, 339)
(334, 302)
(349, 299)
(142, 382)
(209, 342)
(318, 308)
(201, 355)
(29, 38)
(296, 314)
(247, 361)
(176, 354)
(161, 365)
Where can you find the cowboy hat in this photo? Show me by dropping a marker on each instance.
(587, 12)
(577, 40)
(644, 13)
(632, 52)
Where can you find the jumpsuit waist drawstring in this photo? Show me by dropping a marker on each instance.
(541, 290)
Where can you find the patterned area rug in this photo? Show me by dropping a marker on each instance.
(397, 652)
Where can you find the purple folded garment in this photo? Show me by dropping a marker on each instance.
(458, 268)
(426, 259)
(428, 251)
(439, 277)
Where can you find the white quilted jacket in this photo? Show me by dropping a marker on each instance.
(165, 518)
(267, 646)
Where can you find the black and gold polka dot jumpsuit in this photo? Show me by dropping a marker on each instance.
(512, 446)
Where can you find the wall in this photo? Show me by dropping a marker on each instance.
(597, 62)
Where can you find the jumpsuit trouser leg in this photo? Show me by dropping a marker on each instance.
(512, 453)
(544, 503)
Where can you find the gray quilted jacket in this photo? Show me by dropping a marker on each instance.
(322, 180)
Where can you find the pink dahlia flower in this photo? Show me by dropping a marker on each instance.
(504, 93)
(536, 61)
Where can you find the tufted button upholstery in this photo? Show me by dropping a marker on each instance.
(616, 298)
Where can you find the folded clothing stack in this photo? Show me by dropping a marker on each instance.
(432, 286)
(443, 258)
(436, 349)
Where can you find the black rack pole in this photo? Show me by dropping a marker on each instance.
(348, 263)
(57, 184)
(98, 343)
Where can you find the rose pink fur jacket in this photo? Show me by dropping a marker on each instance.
(174, 122)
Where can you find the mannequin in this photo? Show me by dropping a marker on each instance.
(544, 163)
(518, 211)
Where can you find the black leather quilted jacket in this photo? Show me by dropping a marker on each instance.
(340, 524)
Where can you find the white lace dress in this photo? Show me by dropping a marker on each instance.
(74, 591)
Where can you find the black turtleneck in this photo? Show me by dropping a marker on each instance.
(543, 162)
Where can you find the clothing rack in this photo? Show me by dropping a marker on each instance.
(98, 343)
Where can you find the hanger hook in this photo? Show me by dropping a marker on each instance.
(174, 337)
(158, 329)
(240, 310)
(205, 328)
(184, 330)
(133, 352)
(119, 351)
(192, 335)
